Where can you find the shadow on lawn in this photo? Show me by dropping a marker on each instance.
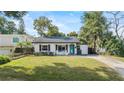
(59, 72)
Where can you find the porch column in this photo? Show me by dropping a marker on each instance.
(53, 48)
(68, 48)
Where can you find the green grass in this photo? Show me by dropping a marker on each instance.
(118, 58)
(57, 68)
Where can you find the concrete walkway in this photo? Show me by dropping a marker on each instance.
(113, 63)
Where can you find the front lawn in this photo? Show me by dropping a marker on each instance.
(56, 68)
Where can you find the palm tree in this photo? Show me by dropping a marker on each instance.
(28, 44)
(20, 44)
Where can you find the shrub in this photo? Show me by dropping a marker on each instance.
(44, 54)
(18, 50)
(40, 54)
(4, 59)
(28, 50)
(51, 54)
(24, 50)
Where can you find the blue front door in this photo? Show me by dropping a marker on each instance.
(72, 49)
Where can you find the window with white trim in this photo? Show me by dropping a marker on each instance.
(61, 48)
(44, 47)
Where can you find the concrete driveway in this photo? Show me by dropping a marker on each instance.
(113, 63)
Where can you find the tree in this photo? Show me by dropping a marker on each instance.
(61, 34)
(42, 24)
(24, 47)
(13, 14)
(116, 23)
(10, 27)
(7, 27)
(94, 24)
(21, 29)
(24, 44)
(53, 31)
(20, 44)
(74, 34)
(111, 44)
(2, 25)
(27, 44)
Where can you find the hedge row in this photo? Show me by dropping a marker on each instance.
(24, 50)
(4, 59)
(44, 54)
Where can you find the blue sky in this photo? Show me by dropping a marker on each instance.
(66, 21)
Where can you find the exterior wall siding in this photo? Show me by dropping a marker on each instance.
(53, 48)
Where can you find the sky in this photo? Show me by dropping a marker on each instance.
(67, 21)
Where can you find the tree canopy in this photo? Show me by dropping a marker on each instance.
(21, 29)
(53, 31)
(8, 26)
(2, 25)
(94, 25)
(97, 31)
(116, 20)
(11, 27)
(44, 26)
(13, 14)
(74, 34)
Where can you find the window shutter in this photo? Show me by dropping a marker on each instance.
(39, 47)
(67, 48)
(49, 47)
(56, 47)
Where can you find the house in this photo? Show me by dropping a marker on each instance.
(8, 42)
(57, 45)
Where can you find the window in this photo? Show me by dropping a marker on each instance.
(61, 48)
(44, 47)
(15, 40)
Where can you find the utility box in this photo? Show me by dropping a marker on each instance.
(84, 49)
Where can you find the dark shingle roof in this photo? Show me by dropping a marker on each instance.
(55, 40)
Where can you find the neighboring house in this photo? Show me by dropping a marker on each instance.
(57, 45)
(8, 42)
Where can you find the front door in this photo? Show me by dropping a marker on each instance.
(72, 49)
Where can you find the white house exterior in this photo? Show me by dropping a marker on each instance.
(84, 49)
(8, 42)
(57, 45)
